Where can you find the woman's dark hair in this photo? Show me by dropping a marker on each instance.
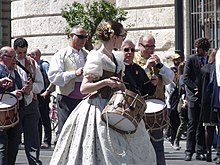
(105, 29)
(20, 42)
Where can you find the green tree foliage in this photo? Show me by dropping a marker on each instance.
(90, 15)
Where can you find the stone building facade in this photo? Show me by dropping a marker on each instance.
(40, 22)
(5, 22)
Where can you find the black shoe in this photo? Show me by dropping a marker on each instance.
(188, 158)
(200, 157)
(209, 157)
(217, 161)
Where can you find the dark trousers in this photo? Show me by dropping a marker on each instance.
(183, 122)
(9, 141)
(65, 105)
(218, 135)
(30, 121)
(45, 119)
(174, 122)
(195, 131)
(157, 142)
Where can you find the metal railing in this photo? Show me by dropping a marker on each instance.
(205, 21)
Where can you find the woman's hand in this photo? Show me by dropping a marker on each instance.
(114, 82)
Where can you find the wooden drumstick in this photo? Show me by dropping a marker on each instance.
(5, 87)
(149, 81)
(119, 81)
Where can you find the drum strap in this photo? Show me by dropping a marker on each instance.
(109, 139)
(116, 65)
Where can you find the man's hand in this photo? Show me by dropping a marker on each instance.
(6, 82)
(27, 87)
(79, 72)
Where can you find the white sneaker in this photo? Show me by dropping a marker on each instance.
(176, 146)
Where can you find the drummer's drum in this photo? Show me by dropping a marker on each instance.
(8, 111)
(155, 116)
(124, 111)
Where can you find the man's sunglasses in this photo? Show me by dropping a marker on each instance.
(80, 36)
(129, 50)
(147, 46)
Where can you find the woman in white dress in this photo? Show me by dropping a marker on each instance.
(85, 138)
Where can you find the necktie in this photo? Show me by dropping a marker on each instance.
(202, 62)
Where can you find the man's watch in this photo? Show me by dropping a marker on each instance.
(159, 65)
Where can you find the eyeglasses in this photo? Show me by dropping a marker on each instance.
(122, 35)
(147, 46)
(81, 36)
(11, 57)
(129, 50)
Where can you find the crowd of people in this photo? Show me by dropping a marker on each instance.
(105, 98)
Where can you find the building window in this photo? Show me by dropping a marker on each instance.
(205, 21)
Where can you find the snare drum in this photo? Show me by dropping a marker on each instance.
(155, 116)
(8, 111)
(124, 111)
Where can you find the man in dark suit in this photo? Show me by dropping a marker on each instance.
(192, 80)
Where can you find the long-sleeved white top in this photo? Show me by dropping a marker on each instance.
(57, 73)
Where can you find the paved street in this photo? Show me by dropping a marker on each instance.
(173, 157)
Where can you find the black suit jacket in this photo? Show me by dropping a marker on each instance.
(192, 78)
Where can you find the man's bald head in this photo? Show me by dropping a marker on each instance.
(35, 53)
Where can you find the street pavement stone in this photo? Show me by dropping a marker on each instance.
(173, 157)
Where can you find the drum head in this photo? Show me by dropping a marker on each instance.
(154, 105)
(119, 122)
(8, 100)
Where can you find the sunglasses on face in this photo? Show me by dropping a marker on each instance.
(122, 35)
(129, 50)
(80, 36)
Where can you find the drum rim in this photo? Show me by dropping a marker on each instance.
(140, 98)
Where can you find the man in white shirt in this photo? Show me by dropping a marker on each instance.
(30, 73)
(66, 72)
